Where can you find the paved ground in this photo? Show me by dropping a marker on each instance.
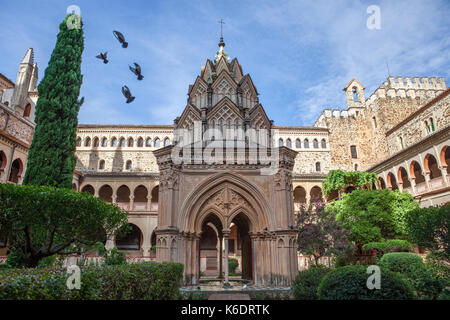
(229, 296)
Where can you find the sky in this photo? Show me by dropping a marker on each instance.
(300, 54)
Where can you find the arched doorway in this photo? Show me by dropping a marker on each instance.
(210, 247)
(16, 171)
(243, 245)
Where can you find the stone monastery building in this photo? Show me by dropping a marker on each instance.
(199, 212)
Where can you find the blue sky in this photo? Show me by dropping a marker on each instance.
(300, 54)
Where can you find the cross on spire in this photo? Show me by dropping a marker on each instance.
(221, 27)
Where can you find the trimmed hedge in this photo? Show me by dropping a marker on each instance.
(232, 265)
(141, 281)
(427, 283)
(400, 261)
(307, 281)
(350, 283)
(389, 246)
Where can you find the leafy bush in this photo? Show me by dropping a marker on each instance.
(338, 180)
(439, 262)
(307, 281)
(373, 215)
(425, 281)
(402, 262)
(389, 246)
(232, 265)
(350, 283)
(428, 227)
(43, 221)
(143, 281)
(445, 295)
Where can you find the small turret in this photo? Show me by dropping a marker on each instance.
(354, 92)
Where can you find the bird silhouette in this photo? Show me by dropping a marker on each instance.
(103, 56)
(137, 71)
(127, 93)
(121, 38)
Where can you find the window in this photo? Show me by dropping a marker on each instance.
(374, 122)
(148, 143)
(288, 143)
(306, 144)
(104, 142)
(114, 142)
(27, 111)
(432, 124)
(427, 127)
(280, 142)
(96, 142)
(356, 167)
(355, 94)
(157, 143)
(130, 142)
(101, 165)
(140, 142)
(128, 165)
(324, 144)
(122, 142)
(78, 142)
(87, 142)
(317, 166)
(353, 152)
(298, 144)
(166, 142)
(315, 144)
(400, 139)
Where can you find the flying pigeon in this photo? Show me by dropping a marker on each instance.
(121, 38)
(103, 56)
(127, 93)
(137, 71)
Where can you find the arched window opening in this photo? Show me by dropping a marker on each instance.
(114, 142)
(3, 161)
(416, 172)
(427, 127)
(324, 144)
(130, 142)
(299, 197)
(306, 144)
(391, 181)
(403, 178)
(141, 195)
(104, 142)
(316, 194)
(96, 142)
(78, 142)
(101, 165)
(374, 122)
(27, 111)
(123, 194)
(105, 193)
(87, 142)
(155, 199)
(122, 142)
(353, 152)
(289, 143)
(131, 240)
(317, 166)
(166, 142)
(445, 158)
(431, 166)
(140, 142)
(148, 142)
(432, 124)
(157, 143)
(355, 94)
(88, 189)
(381, 183)
(16, 171)
(356, 167)
(128, 165)
(280, 142)
(315, 144)
(298, 144)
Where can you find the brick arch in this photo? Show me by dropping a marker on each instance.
(391, 181)
(431, 166)
(88, 189)
(445, 158)
(16, 171)
(123, 194)
(3, 160)
(402, 177)
(415, 171)
(381, 183)
(105, 193)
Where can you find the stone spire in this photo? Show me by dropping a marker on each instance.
(24, 79)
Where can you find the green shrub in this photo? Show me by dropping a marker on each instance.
(426, 282)
(439, 262)
(232, 265)
(350, 283)
(445, 295)
(142, 281)
(306, 283)
(388, 246)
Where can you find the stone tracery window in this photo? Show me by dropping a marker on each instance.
(104, 142)
(315, 144)
(130, 142)
(122, 142)
(353, 152)
(324, 144)
(87, 142)
(288, 143)
(298, 144)
(140, 142)
(78, 142)
(157, 143)
(280, 142)
(148, 142)
(114, 142)
(306, 144)
(96, 142)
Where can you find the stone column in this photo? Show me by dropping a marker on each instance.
(149, 200)
(131, 204)
(220, 257)
(226, 235)
(444, 176)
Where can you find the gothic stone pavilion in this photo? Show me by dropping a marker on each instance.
(198, 211)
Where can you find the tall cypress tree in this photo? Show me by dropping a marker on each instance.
(51, 158)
